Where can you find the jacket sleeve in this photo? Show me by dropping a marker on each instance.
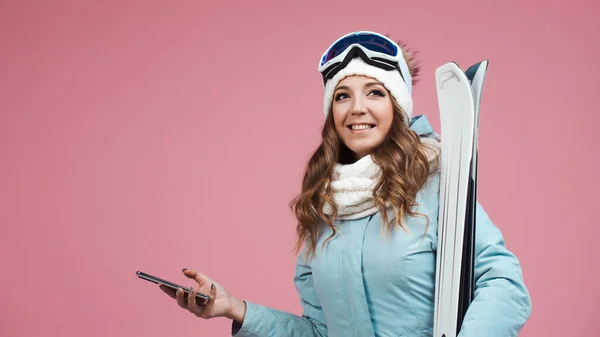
(262, 321)
(501, 304)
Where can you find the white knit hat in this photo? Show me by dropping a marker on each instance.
(391, 79)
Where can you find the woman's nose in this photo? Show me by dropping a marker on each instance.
(358, 106)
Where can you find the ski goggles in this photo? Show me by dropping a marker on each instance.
(375, 49)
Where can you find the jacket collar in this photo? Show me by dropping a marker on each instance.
(422, 127)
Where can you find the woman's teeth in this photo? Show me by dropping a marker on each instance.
(361, 126)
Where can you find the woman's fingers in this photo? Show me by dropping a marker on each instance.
(212, 295)
(168, 291)
(210, 304)
(180, 296)
(191, 302)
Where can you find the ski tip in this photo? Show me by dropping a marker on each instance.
(446, 66)
(478, 68)
(448, 72)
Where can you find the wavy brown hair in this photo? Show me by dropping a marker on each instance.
(404, 164)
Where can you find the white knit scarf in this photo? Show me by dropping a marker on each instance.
(352, 186)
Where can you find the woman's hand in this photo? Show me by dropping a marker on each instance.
(220, 303)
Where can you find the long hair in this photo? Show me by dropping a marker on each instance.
(405, 167)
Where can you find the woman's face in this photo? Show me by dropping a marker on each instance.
(362, 113)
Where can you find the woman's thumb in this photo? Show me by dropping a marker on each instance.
(201, 279)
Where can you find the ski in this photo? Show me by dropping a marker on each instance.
(459, 96)
(476, 75)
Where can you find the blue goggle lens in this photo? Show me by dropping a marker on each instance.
(372, 42)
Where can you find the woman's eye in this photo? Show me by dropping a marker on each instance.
(340, 96)
(378, 93)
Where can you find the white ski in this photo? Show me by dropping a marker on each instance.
(459, 115)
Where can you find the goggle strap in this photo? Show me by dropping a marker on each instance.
(405, 72)
(382, 63)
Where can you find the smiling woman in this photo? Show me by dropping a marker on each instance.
(376, 170)
(367, 133)
(363, 114)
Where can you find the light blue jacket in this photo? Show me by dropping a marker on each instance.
(363, 284)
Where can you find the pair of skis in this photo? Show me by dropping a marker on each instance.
(459, 96)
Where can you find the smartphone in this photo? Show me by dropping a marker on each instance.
(200, 297)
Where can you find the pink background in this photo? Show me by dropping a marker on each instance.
(149, 135)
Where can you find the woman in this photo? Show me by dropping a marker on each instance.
(367, 219)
